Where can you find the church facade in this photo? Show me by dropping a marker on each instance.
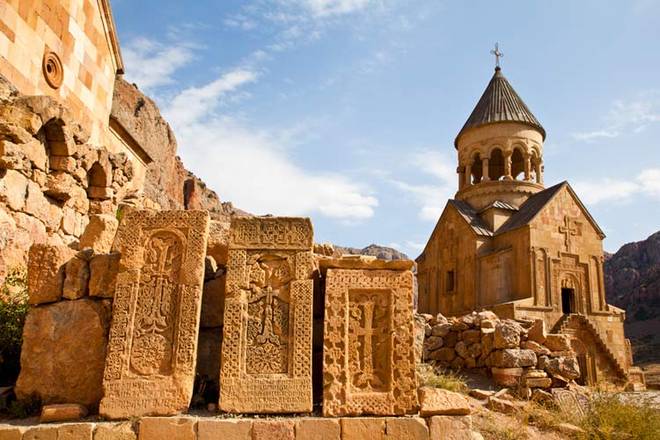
(508, 243)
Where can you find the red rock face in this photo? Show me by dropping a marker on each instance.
(632, 282)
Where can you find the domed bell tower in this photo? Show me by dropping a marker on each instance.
(500, 149)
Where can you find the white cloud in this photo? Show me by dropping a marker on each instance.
(609, 190)
(252, 167)
(194, 103)
(151, 64)
(322, 8)
(624, 117)
(431, 198)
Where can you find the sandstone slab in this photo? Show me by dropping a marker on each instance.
(558, 342)
(512, 357)
(163, 428)
(227, 429)
(406, 428)
(99, 233)
(537, 332)
(75, 431)
(506, 376)
(62, 412)
(360, 428)
(279, 429)
(46, 269)
(103, 270)
(504, 406)
(507, 335)
(76, 277)
(318, 429)
(368, 354)
(437, 401)
(267, 332)
(150, 366)
(10, 433)
(64, 346)
(450, 428)
(114, 431)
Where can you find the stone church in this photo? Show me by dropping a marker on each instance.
(508, 243)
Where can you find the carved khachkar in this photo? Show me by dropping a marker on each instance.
(368, 352)
(150, 363)
(267, 342)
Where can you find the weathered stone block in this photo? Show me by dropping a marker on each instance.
(507, 335)
(450, 428)
(279, 429)
(511, 357)
(63, 352)
(360, 428)
(46, 265)
(538, 382)
(368, 355)
(437, 401)
(536, 332)
(406, 428)
(557, 342)
(318, 429)
(506, 376)
(114, 431)
(76, 278)
(504, 406)
(62, 412)
(75, 431)
(41, 433)
(99, 233)
(150, 366)
(218, 244)
(213, 302)
(227, 429)
(13, 189)
(267, 333)
(162, 428)
(10, 432)
(103, 270)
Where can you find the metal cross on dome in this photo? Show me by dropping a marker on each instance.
(497, 54)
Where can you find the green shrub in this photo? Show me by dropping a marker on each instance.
(609, 418)
(13, 309)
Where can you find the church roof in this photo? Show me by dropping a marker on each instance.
(471, 217)
(500, 103)
(536, 203)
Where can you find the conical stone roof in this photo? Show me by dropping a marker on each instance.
(500, 103)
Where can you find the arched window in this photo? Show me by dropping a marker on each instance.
(496, 164)
(477, 168)
(98, 182)
(517, 164)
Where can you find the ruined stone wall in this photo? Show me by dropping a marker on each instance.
(51, 177)
(63, 49)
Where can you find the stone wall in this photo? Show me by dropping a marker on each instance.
(516, 353)
(51, 177)
(207, 428)
(78, 41)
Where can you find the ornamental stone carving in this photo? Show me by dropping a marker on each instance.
(267, 343)
(150, 365)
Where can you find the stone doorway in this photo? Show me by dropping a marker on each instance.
(567, 300)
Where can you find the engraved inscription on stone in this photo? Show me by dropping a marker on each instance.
(150, 365)
(368, 358)
(267, 341)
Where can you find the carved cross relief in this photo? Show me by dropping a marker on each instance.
(569, 229)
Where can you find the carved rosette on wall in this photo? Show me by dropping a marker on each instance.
(150, 365)
(52, 69)
(368, 352)
(267, 335)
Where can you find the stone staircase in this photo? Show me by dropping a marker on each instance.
(568, 324)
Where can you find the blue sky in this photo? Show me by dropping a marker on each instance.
(346, 110)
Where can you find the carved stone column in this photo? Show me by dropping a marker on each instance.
(507, 166)
(528, 168)
(468, 174)
(485, 177)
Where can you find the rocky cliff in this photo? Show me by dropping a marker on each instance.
(382, 252)
(632, 282)
(168, 183)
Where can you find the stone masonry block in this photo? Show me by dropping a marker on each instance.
(318, 429)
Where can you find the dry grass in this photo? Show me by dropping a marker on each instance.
(609, 418)
(445, 379)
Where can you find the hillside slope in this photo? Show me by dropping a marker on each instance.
(632, 282)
